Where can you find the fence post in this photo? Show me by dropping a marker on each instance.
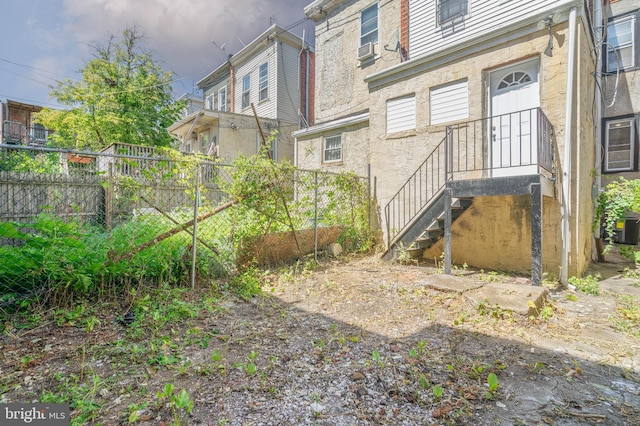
(196, 202)
(315, 217)
(108, 198)
(448, 148)
(369, 194)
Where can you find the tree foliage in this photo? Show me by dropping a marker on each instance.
(124, 95)
(619, 198)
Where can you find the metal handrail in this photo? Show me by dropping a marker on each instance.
(425, 184)
(519, 139)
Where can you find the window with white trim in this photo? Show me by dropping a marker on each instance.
(210, 102)
(263, 82)
(449, 103)
(246, 91)
(369, 25)
(332, 151)
(450, 10)
(619, 144)
(621, 49)
(401, 114)
(222, 98)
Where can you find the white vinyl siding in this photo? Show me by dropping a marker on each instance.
(214, 92)
(483, 17)
(620, 43)
(288, 81)
(270, 56)
(263, 82)
(401, 114)
(619, 145)
(332, 150)
(449, 103)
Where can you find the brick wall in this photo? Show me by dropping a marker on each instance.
(307, 91)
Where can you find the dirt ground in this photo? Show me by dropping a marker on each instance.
(351, 342)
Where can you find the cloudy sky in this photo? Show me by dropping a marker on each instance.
(44, 41)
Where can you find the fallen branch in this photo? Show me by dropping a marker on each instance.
(174, 231)
(213, 249)
(587, 415)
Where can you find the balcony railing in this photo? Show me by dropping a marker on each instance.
(511, 144)
(14, 132)
(507, 144)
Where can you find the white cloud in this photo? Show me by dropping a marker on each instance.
(180, 31)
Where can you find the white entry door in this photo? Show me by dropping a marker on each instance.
(515, 95)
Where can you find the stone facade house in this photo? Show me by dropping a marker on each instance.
(273, 74)
(475, 118)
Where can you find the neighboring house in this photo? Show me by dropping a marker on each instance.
(193, 103)
(18, 127)
(620, 84)
(273, 73)
(480, 110)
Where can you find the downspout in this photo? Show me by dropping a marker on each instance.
(301, 90)
(599, 36)
(305, 49)
(232, 86)
(306, 88)
(568, 136)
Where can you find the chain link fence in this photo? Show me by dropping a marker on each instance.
(75, 222)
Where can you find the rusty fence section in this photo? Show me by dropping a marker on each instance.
(77, 221)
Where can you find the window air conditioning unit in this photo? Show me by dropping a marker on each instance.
(365, 51)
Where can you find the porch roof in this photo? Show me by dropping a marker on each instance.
(196, 121)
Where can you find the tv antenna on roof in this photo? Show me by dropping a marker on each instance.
(219, 47)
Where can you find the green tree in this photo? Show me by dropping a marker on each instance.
(618, 199)
(124, 96)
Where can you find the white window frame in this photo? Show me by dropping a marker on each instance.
(617, 123)
(401, 114)
(263, 82)
(210, 101)
(222, 98)
(325, 149)
(372, 35)
(246, 91)
(613, 49)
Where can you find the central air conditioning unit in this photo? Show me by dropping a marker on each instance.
(365, 51)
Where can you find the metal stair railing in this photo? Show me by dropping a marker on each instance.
(418, 191)
(466, 153)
